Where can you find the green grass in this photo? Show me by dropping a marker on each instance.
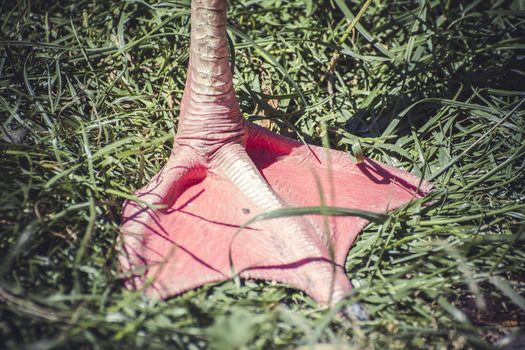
(430, 86)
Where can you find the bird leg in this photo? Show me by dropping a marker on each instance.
(224, 170)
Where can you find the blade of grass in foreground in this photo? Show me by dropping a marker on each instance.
(317, 210)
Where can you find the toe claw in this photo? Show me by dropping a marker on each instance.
(355, 311)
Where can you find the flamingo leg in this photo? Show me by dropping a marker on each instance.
(223, 171)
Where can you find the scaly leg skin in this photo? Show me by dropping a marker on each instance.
(223, 171)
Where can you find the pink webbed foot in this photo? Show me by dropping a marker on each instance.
(196, 238)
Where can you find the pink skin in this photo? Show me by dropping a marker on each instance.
(224, 170)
